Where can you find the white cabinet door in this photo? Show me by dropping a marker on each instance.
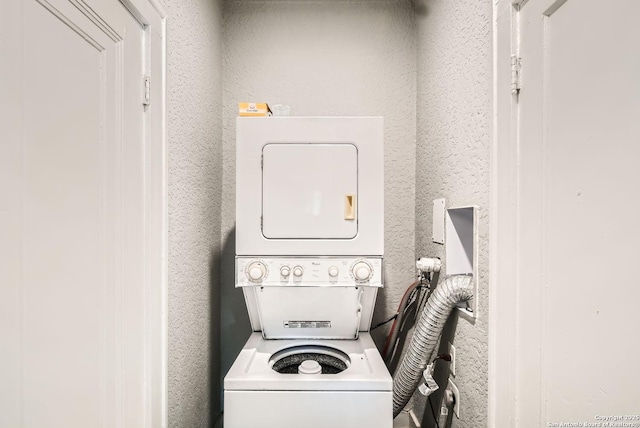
(72, 163)
(578, 354)
(309, 191)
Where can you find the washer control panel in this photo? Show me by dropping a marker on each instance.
(309, 271)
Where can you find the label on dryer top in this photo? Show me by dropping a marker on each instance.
(307, 324)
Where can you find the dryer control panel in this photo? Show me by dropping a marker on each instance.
(309, 271)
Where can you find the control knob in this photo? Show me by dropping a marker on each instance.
(333, 271)
(256, 271)
(285, 271)
(361, 271)
(298, 271)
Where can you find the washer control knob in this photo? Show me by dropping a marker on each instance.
(361, 271)
(256, 271)
(333, 271)
(298, 271)
(285, 271)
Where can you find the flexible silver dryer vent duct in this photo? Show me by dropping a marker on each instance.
(451, 291)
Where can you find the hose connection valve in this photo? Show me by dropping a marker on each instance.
(427, 265)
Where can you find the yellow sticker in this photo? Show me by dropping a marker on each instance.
(254, 109)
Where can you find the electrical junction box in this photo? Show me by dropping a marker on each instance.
(438, 220)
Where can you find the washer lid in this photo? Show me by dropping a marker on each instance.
(309, 312)
(252, 371)
(309, 191)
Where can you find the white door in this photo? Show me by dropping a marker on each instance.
(72, 216)
(578, 353)
(309, 191)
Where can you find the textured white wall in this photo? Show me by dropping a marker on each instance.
(453, 153)
(194, 84)
(324, 58)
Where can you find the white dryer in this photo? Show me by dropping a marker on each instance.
(309, 247)
(309, 186)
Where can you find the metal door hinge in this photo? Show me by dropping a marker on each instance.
(147, 91)
(515, 74)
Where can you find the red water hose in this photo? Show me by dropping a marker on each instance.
(390, 344)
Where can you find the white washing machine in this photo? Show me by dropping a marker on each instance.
(309, 246)
(354, 389)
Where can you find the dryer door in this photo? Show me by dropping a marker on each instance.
(309, 191)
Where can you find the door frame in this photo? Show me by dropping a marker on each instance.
(151, 14)
(503, 285)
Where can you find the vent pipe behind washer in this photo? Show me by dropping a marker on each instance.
(451, 291)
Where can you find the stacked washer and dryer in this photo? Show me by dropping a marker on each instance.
(309, 247)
